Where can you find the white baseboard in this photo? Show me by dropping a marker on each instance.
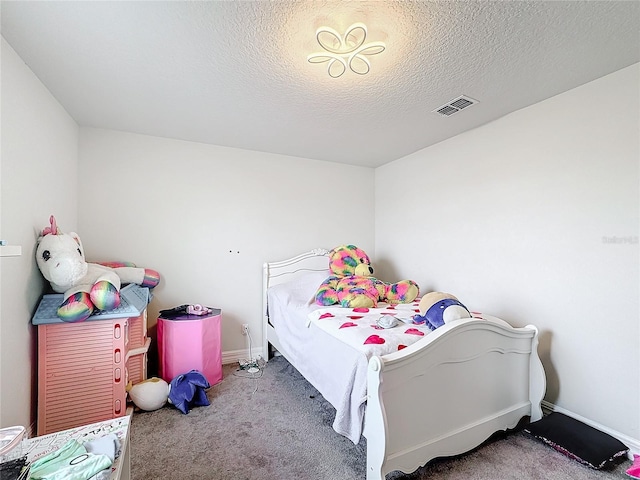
(234, 356)
(632, 443)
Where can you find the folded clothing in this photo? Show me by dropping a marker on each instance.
(106, 445)
(12, 468)
(69, 462)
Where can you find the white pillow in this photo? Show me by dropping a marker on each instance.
(302, 289)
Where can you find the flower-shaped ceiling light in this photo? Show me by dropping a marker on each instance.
(348, 50)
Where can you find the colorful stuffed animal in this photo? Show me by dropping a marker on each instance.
(353, 285)
(150, 394)
(86, 286)
(188, 390)
(438, 308)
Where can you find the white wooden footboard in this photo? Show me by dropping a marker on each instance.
(447, 393)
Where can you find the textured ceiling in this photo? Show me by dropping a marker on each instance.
(235, 73)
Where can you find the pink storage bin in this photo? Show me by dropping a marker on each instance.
(190, 342)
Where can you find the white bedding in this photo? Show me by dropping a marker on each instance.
(331, 346)
(334, 368)
(360, 327)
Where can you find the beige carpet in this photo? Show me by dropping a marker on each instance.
(279, 427)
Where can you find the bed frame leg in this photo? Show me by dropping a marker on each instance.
(537, 379)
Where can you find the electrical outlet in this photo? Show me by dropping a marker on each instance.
(245, 329)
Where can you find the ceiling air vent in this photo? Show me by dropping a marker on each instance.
(455, 105)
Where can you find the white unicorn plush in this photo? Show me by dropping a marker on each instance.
(86, 286)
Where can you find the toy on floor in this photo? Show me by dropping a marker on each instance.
(86, 286)
(353, 285)
(634, 470)
(150, 394)
(188, 390)
(438, 308)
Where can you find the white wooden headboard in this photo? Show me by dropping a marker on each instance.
(275, 273)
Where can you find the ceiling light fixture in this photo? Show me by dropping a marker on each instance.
(348, 50)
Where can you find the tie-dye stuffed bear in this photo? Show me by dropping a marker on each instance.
(86, 286)
(353, 285)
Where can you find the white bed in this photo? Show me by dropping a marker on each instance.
(443, 395)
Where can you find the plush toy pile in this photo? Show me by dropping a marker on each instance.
(86, 286)
(184, 392)
(353, 285)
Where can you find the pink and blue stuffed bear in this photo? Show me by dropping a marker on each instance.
(353, 285)
(86, 286)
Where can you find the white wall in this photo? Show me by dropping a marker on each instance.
(517, 218)
(39, 178)
(207, 217)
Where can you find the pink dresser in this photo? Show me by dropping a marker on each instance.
(84, 367)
